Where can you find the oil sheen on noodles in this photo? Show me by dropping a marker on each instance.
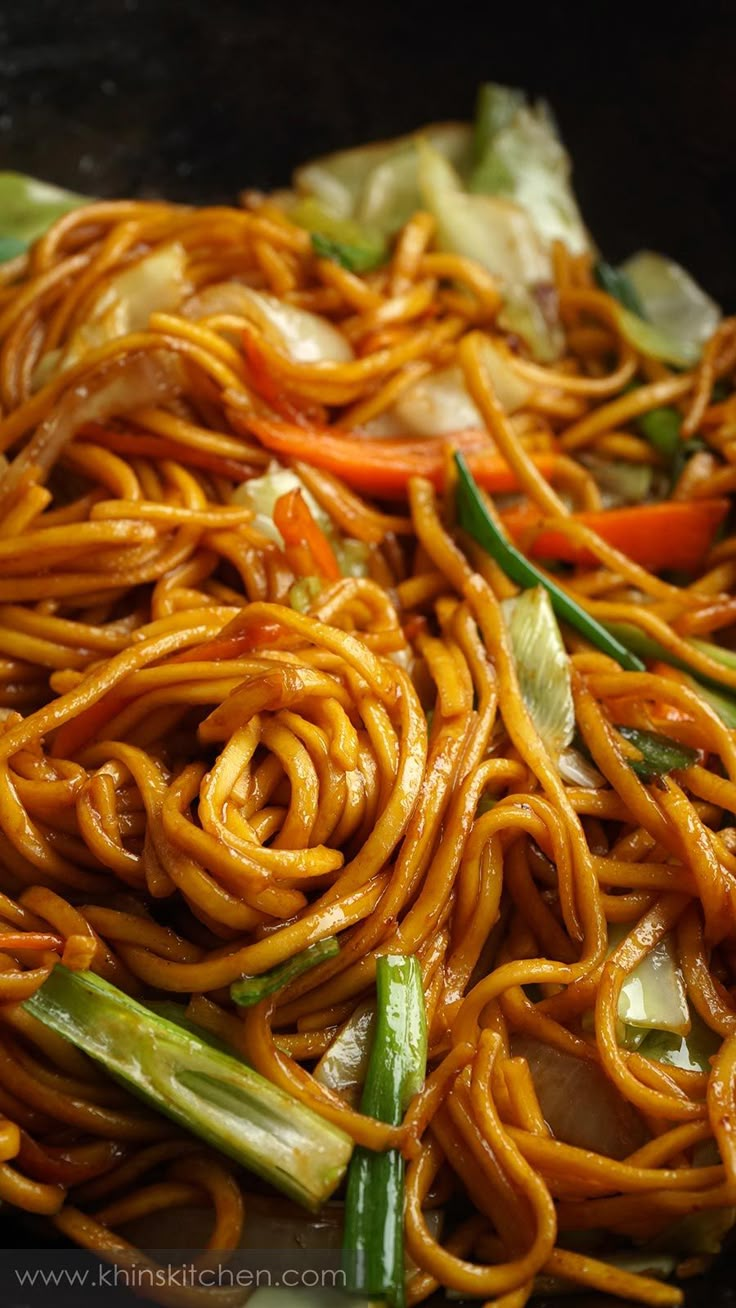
(218, 749)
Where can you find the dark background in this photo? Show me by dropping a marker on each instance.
(197, 98)
(194, 99)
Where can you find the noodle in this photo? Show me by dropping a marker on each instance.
(220, 746)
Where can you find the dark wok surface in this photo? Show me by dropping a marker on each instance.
(194, 99)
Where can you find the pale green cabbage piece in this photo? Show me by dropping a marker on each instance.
(525, 160)
(261, 493)
(376, 184)
(500, 193)
(679, 315)
(653, 996)
(542, 666)
(28, 207)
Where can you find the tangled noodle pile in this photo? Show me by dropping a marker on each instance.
(199, 777)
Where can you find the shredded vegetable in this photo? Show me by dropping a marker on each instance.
(202, 1089)
(476, 520)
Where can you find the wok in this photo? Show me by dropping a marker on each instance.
(194, 99)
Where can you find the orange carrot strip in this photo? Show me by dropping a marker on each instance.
(383, 466)
(675, 534)
(293, 517)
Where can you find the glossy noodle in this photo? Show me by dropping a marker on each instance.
(232, 731)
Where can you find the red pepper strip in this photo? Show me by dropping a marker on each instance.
(383, 466)
(17, 940)
(304, 538)
(676, 534)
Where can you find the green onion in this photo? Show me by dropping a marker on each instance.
(209, 1093)
(659, 754)
(373, 1245)
(356, 258)
(642, 644)
(722, 704)
(10, 247)
(717, 652)
(177, 1013)
(616, 283)
(648, 648)
(661, 428)
(476, 520)
(250, 990)
(485, 804)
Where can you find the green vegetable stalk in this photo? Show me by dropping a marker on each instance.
(373, 1244)
(661, 427)
(647, 647)
(659, 754)
(476, 520)
(251, 989)
(204, 1090)
(356, 258)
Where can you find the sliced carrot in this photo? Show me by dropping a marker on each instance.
(304, 540)
(383, 466)
(674, 534)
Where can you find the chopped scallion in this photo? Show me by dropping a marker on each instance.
(204, 1090)
(250, 990)
(659, 754)
(479, 524)
(373, 1245)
